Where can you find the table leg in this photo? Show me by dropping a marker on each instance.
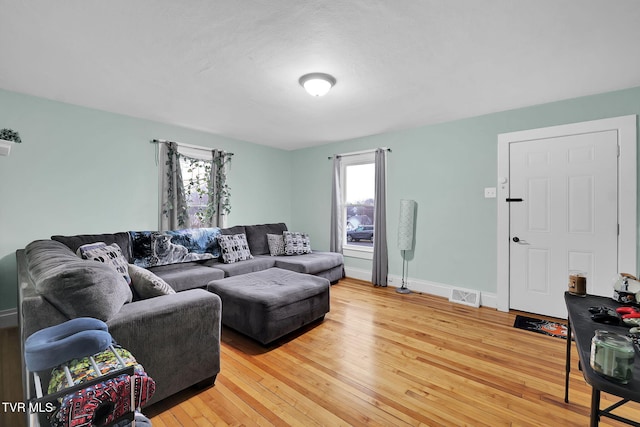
(567, 366)
(595, 407)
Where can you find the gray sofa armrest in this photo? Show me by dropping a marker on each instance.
(189, 321)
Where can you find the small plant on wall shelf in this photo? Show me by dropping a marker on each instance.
(10, 135)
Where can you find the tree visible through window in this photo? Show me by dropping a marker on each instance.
(359, 199)
(196, 175)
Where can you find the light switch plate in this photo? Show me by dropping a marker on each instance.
(490, 193)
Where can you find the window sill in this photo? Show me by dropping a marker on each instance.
(357, 252)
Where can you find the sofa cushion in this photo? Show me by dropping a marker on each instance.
(296, 243)
(276, 244)
(312, 263)
(238, 229)
(108, 254)
(257, 236)
(258, 263)
(74, 242)
(234, 248)
(188, 275)
(147, 284)
(75, 286)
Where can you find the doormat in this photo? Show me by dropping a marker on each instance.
(558, 330)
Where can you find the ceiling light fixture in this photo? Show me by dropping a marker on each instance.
(317, 84)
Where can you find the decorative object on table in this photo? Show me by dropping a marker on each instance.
(578, 283)
(541, 326)
(605, 315)
(612, 356)
(405, 236)
(626, 289)
(630, 315)
(8, 137)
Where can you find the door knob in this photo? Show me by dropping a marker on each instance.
(516, 239)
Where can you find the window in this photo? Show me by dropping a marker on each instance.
(358, 182)
(195, 166)
(196, 175)
(201, 197)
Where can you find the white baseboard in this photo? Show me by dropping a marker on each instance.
(9, 318)
(487, 299)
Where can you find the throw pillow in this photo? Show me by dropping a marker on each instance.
(276, 244)
(296, 243)
(74, 286)
(147, 284)
(234, 248)
(110, 255)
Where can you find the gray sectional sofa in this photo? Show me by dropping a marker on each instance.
(176, 337)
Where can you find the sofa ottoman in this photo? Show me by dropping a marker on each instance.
(269, 304)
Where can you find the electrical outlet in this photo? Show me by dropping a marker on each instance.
(490, 193)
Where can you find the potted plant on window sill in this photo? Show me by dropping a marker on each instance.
(8, 137)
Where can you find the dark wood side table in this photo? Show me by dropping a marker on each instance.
(583, 329)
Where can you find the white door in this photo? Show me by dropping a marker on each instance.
(567, 219)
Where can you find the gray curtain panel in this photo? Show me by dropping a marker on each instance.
(380, 253)
(218, 191)
(337, 221)
(173, 210)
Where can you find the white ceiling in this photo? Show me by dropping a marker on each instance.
(231, 67)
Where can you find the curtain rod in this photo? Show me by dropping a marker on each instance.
(373, 150)
(198, 147)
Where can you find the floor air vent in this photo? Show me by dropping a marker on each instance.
(465, 296)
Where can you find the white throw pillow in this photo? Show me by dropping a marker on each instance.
(108, 254)
(296, 243)
(234, 248)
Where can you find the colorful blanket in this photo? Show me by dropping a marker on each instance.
(103, 402)
(152, 248)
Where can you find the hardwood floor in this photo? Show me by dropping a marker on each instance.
(10, 377)
(382, 358)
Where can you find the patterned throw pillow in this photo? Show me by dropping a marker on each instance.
(276, 244)
(234, 248)
(108, 254)
(147, 284)
(296, 243)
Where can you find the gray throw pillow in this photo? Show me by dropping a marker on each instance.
(147, 284)
(276, 244)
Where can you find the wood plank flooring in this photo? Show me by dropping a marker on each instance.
(382, 358)
(10, 377)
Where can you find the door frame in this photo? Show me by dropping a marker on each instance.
(627, 191)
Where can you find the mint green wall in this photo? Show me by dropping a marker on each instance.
(445, 168)
(80, 170)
